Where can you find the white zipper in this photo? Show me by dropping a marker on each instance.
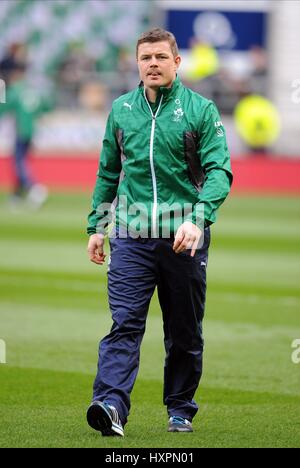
(154, 184)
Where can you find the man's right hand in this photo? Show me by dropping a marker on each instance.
(95, 249)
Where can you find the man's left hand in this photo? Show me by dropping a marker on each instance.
(187, 237)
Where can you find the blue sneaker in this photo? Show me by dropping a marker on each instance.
(179, 424)
(105, 418)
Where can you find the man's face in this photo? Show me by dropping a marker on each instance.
(157, 65)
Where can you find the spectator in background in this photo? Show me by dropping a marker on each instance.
(25, 104)
(259, 70)
(76, 69)
(93, 96)
(127, 69)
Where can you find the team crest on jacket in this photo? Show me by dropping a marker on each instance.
(178, 114)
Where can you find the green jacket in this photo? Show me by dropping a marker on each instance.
(24, 103)
(171, 154)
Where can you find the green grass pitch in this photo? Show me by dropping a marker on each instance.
(53, 311)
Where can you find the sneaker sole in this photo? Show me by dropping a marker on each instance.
(99, 419)
(180, 429)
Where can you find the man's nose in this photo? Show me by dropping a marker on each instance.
(153, 62)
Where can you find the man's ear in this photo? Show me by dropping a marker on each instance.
(177, 61)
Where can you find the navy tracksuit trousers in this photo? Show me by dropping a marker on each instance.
(137, 266)
(23, 178)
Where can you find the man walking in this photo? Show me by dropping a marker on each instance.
(26, 105)
(164, 157)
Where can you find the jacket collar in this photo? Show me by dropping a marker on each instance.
(167, 92)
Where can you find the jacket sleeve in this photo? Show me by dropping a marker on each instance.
(215, 161)
(107, 180)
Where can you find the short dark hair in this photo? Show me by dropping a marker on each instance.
(158, 35)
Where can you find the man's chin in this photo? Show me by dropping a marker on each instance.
(154, 84)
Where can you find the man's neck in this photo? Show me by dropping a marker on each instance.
(151, 94)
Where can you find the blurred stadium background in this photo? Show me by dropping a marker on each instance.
(80, 54)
